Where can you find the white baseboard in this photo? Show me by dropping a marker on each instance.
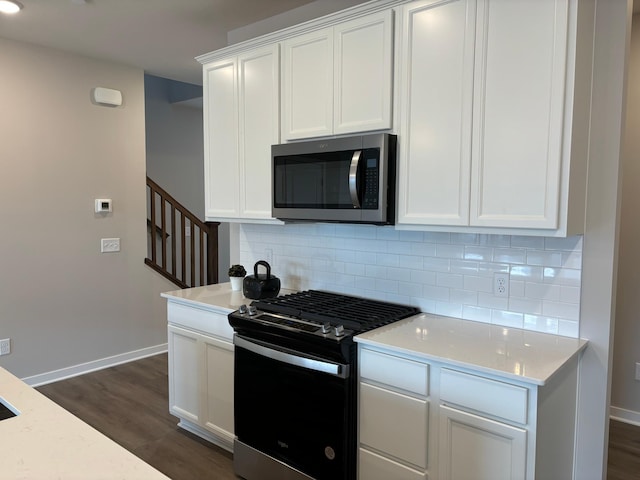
(626, 416)
(74, 371)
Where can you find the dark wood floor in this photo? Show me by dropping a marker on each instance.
(624, 451)
(129, 404)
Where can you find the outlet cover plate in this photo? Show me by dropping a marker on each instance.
(501, 284)
(5, 346)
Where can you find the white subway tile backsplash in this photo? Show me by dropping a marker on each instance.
(477, 314)
(527, 242)
(543, 291)
(516, 288)
(439, 272)
(509, 255)
(562, 276)
(401, 274)
(424, 277)
(478, 283)
(436, 293)
(449, 251)
(525, 305)
(449, 280)
(507, 319)
(449, 309)
(481, 254)
(541, 323)
(544, 258)
(567, 311)
(568, 328)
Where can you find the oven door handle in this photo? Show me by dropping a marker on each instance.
(292, 358)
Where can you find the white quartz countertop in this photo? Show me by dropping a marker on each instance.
(215, 296)
(523, 355)
(517, 354)
(44, 441)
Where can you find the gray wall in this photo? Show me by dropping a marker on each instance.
(625, 390)
(294, 16)
(62, 302)
(175, 149)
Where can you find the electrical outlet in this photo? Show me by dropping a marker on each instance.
(5, 346)
(637, 370)
(501, 284)
(109, 245)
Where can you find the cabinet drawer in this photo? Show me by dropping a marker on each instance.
(384, 368)
(375, 467)
(394, 423)
(202, 320)
(483, 395)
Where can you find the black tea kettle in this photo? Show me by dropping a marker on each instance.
(263, 285)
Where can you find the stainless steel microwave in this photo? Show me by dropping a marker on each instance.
(350, 179)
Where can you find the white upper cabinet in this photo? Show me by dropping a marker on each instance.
(486, 103)
(259, 107)
(307, 85)
(241, 122)
(338, 79)
(519, 112)
(363, 71)
(436, 109)
(220, 119)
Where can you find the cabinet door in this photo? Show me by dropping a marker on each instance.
(436, 105)
(184, 374)
(259, 107)
(372, 466)
(363, 61)
(402, 434)
(476, 448)
(307, 85)
(218, 361)
(220, 118)
(518, 112)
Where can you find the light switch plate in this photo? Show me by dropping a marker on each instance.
(109, 245)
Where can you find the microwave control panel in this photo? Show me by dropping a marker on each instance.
(370, 191)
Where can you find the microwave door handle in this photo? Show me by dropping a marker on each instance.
(353, 176)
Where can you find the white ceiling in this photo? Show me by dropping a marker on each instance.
(160, 36)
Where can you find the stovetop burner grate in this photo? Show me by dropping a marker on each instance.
(355, 313)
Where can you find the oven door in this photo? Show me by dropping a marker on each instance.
(295, 408)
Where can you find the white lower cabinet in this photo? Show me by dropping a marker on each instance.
(477, 448)
(420, 420)
(201, 373)
(393, 417)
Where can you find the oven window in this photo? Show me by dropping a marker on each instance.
(295, 415)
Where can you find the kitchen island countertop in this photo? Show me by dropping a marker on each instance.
(513, 353)
(44, 441)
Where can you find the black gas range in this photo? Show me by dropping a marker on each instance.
(294, 354)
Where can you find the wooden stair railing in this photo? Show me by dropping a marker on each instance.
(189, 259)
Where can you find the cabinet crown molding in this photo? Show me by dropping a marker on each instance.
(329, 20)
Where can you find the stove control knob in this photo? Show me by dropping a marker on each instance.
(243, 308)
(252, 310)
(339, 331)
(325, 328)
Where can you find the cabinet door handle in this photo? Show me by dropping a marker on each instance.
(291, 357)
(353, 177)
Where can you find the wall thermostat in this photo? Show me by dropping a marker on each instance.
(103, 205)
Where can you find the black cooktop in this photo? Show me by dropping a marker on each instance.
(355, 313)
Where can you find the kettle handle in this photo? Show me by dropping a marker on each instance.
(264, 264)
